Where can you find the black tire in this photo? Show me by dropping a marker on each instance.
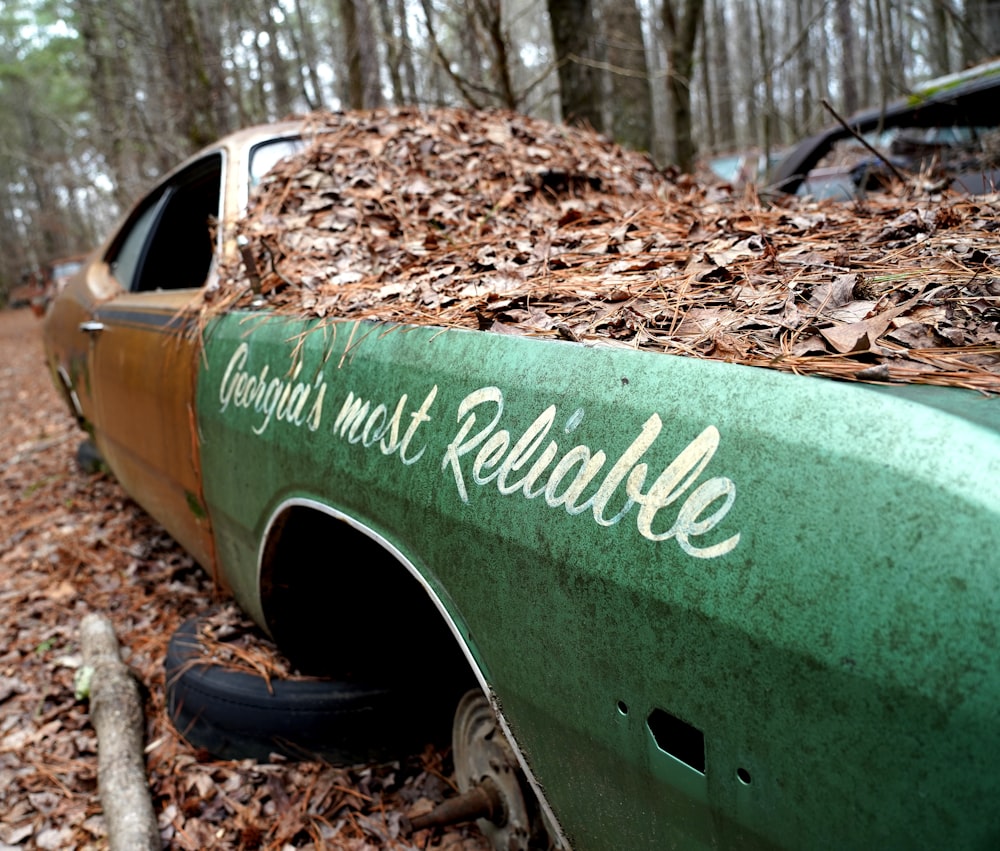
(88, 458)
(231, 714)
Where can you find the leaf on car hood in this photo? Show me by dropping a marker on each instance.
(420, 217)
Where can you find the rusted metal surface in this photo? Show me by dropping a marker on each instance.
(482, 801)
(127, 360)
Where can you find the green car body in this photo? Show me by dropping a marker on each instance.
(719, 606)
(715, 606)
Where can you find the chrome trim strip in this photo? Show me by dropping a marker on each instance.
(70, 391)
(125, 311)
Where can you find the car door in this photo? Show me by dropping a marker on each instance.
(143, 349)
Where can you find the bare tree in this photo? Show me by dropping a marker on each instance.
(355, 91)
(469, 89)
(767, 109)
(135, 128)
(483, 63)
(364, 88)
(882, 36)
(937, 26)
(803, 97)
(396, 40)
(46, 160)
(981, 30)
(580, 91)
(302, 37)
(848, 56)
(489, 13)
(631, 105)
(717, 56)
(681, 21)
(190, 86)
(223, 97)
(161, 77)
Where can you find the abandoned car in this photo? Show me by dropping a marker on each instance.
(675, 601)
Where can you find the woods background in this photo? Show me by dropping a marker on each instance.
(99, 97)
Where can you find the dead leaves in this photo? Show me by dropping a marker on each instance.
(503, 223)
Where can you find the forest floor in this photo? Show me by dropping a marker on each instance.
(72, 543)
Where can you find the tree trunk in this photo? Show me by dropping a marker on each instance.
(868, 80)
(803, 93)
(491, 16)
(363, 85)
(393, 48)
(681, 20)
(406, 53)
(303, 40)
(981, 31)
(848, 56)
(470, 65)
(631, 102)
(98, 33)
(746, 35)
(183, 64)
(572, 23)
(710, 135)
(257, 73)
(767, 112)
(371, 65)
(898, 49)
(724, 102)
(281, 90)
(469, 91)
(883, 35)
(355, 79)
(221, 96)
(938, 49)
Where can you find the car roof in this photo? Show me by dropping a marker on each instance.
(242, 139)
(968, 99)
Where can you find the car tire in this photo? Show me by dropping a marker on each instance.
(233, 714)
(88, 458)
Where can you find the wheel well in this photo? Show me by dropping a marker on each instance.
(337, 602)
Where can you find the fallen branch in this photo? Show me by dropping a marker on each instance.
(116, 713)
(902, 178)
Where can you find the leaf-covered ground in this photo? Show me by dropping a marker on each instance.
(72, 543)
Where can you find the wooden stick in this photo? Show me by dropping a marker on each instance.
(117, 715)
(902, 178)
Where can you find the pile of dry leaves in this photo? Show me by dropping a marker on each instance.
(72, 543)
(498, 222)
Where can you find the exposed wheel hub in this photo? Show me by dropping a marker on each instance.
(485, 766)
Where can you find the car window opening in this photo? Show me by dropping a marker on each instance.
(264, 156)
(171, 243)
